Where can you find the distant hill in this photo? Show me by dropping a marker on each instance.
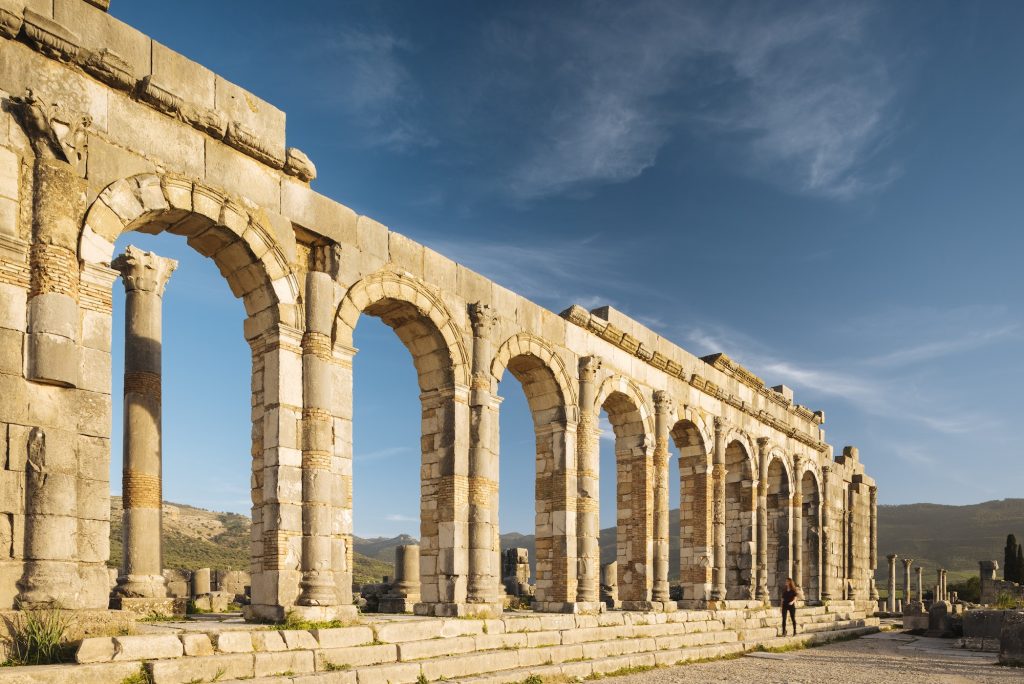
(934, 535)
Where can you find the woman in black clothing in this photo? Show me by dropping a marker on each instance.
(789, 605)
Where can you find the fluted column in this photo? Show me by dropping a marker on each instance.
(762, 519)
(719, 590)
(317, 586)
(873, 543)
(890, 601)
(484, 573)
(907, 598)
(144, 275)
(587, 461)
(826, 536)
(664, 407)
(797, 542)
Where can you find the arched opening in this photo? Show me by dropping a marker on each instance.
(546, 402)
(424, 326)
(779, 524)
(634, 498)
(810, 578)
(696, 492)
(385, 463)
(739, 523)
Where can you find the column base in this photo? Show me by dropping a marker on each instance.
(323, 613)
(475, 610)
(141, 586)
(651, 606)
(396, 604)
(574, 607)
(146, 607)
(49, 584)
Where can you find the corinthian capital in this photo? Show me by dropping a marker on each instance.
(482, 318)
(143, 271)
(663, 402)
(589, 365)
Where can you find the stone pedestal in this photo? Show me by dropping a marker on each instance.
(405, 591)
(610, 585)
(940, 619)
(144, 275)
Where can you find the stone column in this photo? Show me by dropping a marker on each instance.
(826, 536)
(664, 407)
(920, 584)
(405, 591)
(907, 598)
(484, 571)
(762, 520)
(201, 582)
(890, 601)
(317, 587)
(938, 585)
(587, 461)
(873, 543)
(942, 581)
(719, 590)
(144, 275)
(797, 542)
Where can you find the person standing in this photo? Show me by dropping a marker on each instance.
(789, 596)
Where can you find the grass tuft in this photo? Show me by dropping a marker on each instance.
(39, 638)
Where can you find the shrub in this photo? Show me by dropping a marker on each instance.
(39, 638)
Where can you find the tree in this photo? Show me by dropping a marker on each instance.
(1010, 559)
(1019, 570)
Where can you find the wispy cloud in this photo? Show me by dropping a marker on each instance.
(380, 454)
(799, 85)
(395, 517)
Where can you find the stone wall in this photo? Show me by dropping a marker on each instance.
(120, 133)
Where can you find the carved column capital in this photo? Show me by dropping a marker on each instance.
(721, 424)
(907, 562)
(326, 259)
(589, 366)
(763, 442)
(143, 271)
(663, 402)
(482, 318)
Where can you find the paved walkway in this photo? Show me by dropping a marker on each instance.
(883, 657)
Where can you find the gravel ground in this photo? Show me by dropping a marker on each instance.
(879, 658)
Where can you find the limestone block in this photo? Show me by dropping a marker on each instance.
(97, 29)
(190, 81)
(197, 644)
(10, 173)
(94, 540)
(263, 119)
(6, 533)
(96, 650)
(442, 272)
(55, 314)
(9, 217)
(53, 359)
(11, 351)
(13, 312)
(93, 456)
(233, 642)
(298, 639)
(268, 641)
(384, 674)
(203, 669)
(1011, 639)
(317, 213)
(147, 647)
(166, 139)
(108, 163)
(94, 372)
(435, 648)
(357, 656)
(405, 254)
(242, 175)
(292, 662)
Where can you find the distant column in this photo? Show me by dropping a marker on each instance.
(907, 598)
(920, 584)
(144, 275)
(719, 590)
(890, 601)
(945, 591)
(762, 520)
(663, 409)
(588, 459)
(938, 585)
(200, 582)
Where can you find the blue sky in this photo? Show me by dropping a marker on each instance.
(831, 193)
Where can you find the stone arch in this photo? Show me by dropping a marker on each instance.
(236, 235)
(740, 508)
(778, 493)
(216, 225)
(399, 300)
(696, 494)
(552, 402)
(428, 330)
(810, 512)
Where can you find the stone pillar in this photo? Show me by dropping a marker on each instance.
(797, 541)
(405, 591)
(945, 591)
(762, 520)
(144, 275)
(907, 597)
(938, 586)
(484, 572)
(873, 543)
(664, 408)
(201, 582)
(890, 601)
(920, 584)
(610, 584)
(826, 536)
(588, 458)
(719, 590)
(316, 586)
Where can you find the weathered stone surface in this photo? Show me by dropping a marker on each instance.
(147, 647)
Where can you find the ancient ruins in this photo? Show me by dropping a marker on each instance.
(105, 131)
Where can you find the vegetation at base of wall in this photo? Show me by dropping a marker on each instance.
(293, 621)
(39, 637)
(140, 677)
(968, 590)
(1008, 601)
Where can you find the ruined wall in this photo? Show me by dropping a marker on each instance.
(121, 133)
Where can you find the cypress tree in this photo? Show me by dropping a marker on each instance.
(1019, 579)
(1010, 559)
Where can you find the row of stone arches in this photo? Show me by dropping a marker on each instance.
(310, 329)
